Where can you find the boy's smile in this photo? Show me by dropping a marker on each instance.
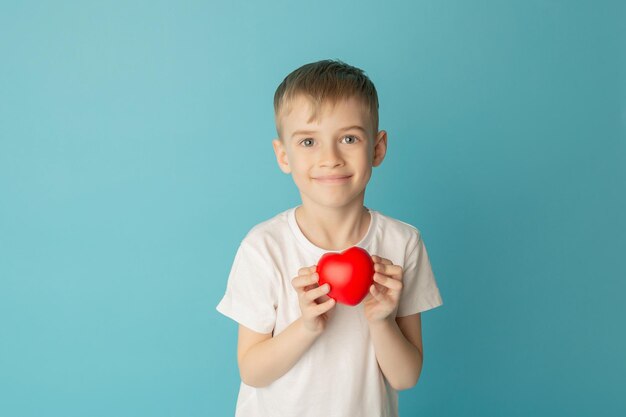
(333, 179)
(330, 159)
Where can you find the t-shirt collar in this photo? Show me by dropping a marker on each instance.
(317, 251)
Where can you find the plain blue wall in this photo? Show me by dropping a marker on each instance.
(135, 154)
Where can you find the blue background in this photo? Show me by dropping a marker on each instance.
(135, 154)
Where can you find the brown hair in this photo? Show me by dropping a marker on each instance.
(326, 81)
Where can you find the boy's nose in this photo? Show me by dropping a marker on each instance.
(330, 157)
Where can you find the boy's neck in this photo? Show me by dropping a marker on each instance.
(333, 229)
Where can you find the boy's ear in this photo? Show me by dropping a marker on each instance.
(380, 148)
(281, 155)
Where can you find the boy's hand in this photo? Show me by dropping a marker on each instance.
(314, 303)
(382, 301)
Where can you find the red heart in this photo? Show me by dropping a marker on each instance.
(349, 273)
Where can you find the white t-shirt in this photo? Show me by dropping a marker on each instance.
(339, 375)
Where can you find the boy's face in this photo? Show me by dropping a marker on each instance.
(330, 159)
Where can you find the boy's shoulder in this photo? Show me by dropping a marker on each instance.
(397, 228)
(269, 232)
(397, 223)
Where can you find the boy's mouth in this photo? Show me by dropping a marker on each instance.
(333, 179)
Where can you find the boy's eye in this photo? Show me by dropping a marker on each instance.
(354, 138)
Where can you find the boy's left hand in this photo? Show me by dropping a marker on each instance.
(382, 301)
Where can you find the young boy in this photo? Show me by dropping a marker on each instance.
(299, 352)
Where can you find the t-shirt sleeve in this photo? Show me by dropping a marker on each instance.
(250, 297)
(420, 291)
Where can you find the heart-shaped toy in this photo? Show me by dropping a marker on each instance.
(349, 274)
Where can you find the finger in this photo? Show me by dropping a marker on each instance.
(302, 281)
(380, 288)
(377, 294)
(389, 282)
(310, 287)
(320, 309)
(307, 270)
(394, 271)
(312, 281)
(379, 260)
(314, 277)
(322, 299)
(317, 292)
(299, 282)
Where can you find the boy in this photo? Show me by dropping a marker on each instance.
(300, 353)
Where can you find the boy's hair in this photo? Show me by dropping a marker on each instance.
(326, 81)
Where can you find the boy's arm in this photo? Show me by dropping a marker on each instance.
(399, 350)
(262, 358)
(397, 341)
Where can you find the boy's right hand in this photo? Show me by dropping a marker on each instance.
(314, 303)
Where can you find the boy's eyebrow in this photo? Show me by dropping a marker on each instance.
(309, 132)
